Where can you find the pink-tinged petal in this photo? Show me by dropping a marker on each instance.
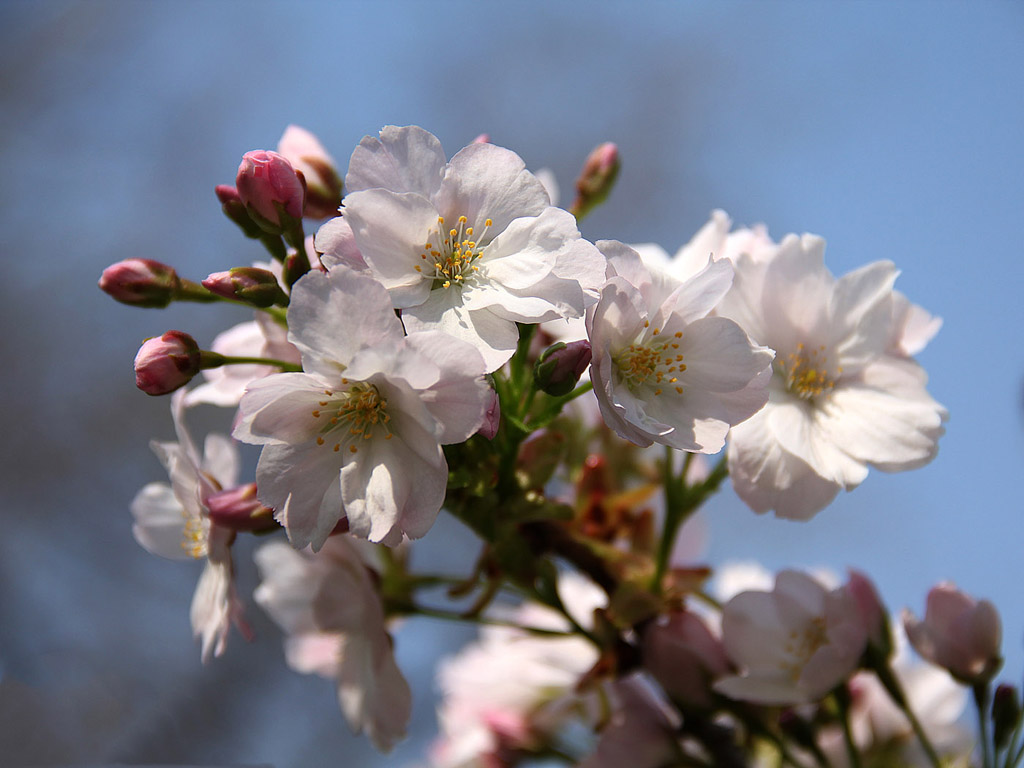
(695, 298)
(861, 313)
(221, 460)
(332, 315)
(224, 386)
(794, 423)
(797, 270)
(159, 522)
(279, 409)
(798, 597)
(766, 477)
(494, 337)
(708, 243)
(654, 257)
(912, 327)
(720, 357)
(526, 250)
(298, 483)
(460, 398)
(484, 181)
(214, 606)
(336, 245)
(286, 590)
(314, 654)
(392, 231)
(373, 693)
(403, 159)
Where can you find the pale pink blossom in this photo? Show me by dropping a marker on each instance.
(641, 732)
(358, 434)
(839, 400)
(708, 244)
(329, 609)
(173, 521)
(663, 369)
(793, 644)
(469, 246)
(958, 633)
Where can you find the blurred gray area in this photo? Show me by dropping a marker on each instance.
(893, 129)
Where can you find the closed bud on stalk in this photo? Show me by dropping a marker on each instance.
(252, 285)
(233, 207)
(167, 363)
(1005, 714)
(492, 417)
(560, 366)
(872, 612)
(596, 179)
(273, 194)
(239, 510)
(323, 184)
(140, 282)
(959, 633)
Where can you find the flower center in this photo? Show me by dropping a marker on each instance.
(449, 255)
(807, 373)
(194, 536)
(360, 408)
(659, 360)
(801, 645)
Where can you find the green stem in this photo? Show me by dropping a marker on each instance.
(892, 685)
(981, 701)
(675, 513)
(842, 699)
(242, 360)
(440, 613)
(192, 291)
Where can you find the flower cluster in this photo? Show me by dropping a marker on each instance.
(448, 340)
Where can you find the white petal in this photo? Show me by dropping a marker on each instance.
(220, 460)
(459, 399)
(337, 245)
(494, 337)
(406, 159)
(279, 409)
(160, 522)
(213, 604)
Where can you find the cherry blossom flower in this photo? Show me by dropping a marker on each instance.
(308, 156)
(663, 370)
(959, 633)
(793, 644)
(331, 613)
(470, 246)
(840, 401)
(691, 258)
(359, 433)
(684, 656)
(172, 521)
(641, 731)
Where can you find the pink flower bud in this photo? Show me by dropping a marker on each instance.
(685, 658)
(269, 187)
(872, 611)
(166, 363)
(597, 178)
(233, 207)
(323, 184)
(959, 633)
(560, 366)
(238, 509)
(483, 138)
(256, 286)
(140, 282)
(492, 417)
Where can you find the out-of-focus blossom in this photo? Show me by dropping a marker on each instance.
(469, 247)
(140, 282)
(173, 521)
(691, 258)
(684, 656)
(308, 156)
(510, 690)
(329, 609)
(959, 634)
(794, 644)
(359, 433)
(664, 370)
(166, 363)
(839, 400)
(640, 733)
(269, 188)
(596, 178)
(872, 611)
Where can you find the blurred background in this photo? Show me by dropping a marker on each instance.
(892, 129)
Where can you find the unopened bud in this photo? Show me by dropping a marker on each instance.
(240, 510)
(560, 366)
(296, 264)
(596, 179)
(273, 194)
(1005, 714)
(492, 417)
(233, 207)
(323, 184)
(252, 285)
(873, 613)
(140, 282)
(167, 363)
(483, 138)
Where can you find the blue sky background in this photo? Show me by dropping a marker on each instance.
(893, 129)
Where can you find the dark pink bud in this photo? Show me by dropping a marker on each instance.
(239, 510)
(873, 612)
(597, 178)
(682, 654)
(269, 187)
(253, 285)
(492, 417)
(166, 363)
(140, 282)
(560, 366)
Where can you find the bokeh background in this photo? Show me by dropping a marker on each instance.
(894, 129)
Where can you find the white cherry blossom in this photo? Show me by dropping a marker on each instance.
(470, 246)
(329, 608)
(663, 369)
(842, 397)
(358, 434)
(172, 521)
